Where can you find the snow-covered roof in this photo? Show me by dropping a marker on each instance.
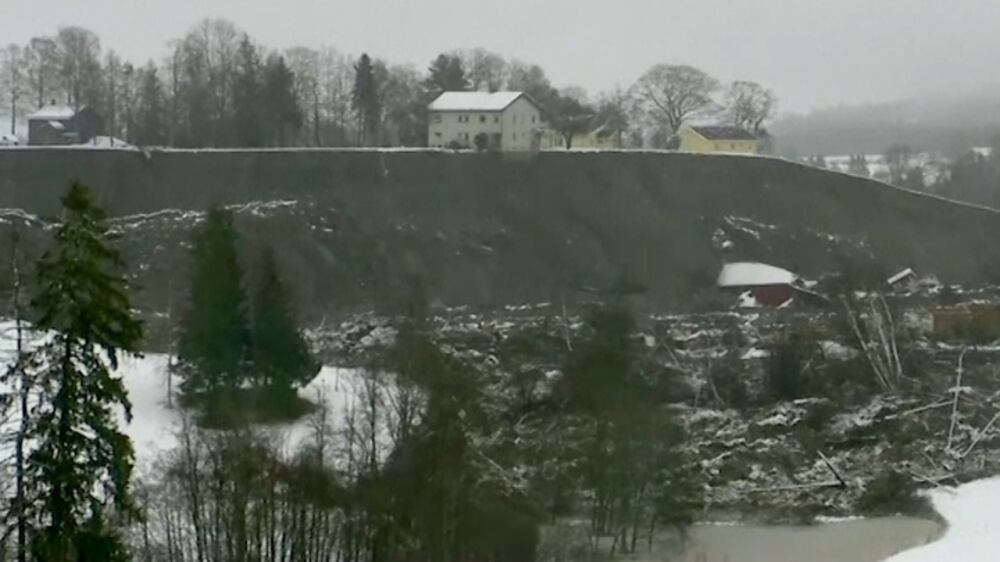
(908, 272)
(474, 101)
(753, 274)
(53, 113)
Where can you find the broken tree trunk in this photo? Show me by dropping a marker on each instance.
(833, 469)
(954, 404)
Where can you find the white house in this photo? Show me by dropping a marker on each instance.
(507, 121)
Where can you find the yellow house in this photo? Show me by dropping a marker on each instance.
(697, 138)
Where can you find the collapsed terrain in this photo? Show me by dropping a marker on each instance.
(506, 251)
(352, 227)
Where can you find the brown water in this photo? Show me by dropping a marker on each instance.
(863, 540)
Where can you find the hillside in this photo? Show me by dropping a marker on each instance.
(353, 227)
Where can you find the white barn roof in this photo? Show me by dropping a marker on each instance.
(474, 101)
(753, 274)
(53, 113)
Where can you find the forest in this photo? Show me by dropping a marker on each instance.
(218, 87)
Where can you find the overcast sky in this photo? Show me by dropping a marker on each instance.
(811, 52)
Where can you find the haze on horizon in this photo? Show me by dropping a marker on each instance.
(813, 53)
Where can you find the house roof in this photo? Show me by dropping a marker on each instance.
(908, 272)
(605, 131)
(474, 101)
(53, 113)
(716, 132)
(753, 274)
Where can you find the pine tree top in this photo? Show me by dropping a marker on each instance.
(81, 288)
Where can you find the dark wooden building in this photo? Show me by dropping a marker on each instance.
(62, 125)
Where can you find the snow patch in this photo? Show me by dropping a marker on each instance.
(747, 300)
(837, 351)
(971, 511)
(755, 353)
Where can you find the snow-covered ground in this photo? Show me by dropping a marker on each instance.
(973, 515)
(155, 423)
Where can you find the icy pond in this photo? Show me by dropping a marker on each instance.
(860, 540)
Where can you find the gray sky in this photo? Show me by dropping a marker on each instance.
(811, 52)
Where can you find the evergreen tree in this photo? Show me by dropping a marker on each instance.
(280, 353)
(365, 99)
(214, 336)
(82, 463)
(601, 377)
(445, 74)
(914, 179)
(149, 127)
(531, 79)
(631, 465)
(281, 103)
(247, 96)
(858, 166)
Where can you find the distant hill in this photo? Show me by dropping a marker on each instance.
(945, 124)
(351, 228)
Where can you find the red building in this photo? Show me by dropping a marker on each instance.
(759, 284)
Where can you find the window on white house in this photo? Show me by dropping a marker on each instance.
(482, 118)
(437, 118)
(437, 134)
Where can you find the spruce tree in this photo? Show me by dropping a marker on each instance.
(248, 98)
(149, 123)
(81, 464)
(214, 333)
(365, 99)
(280, 354)
(631, 464)
(445, 74)
(282, 106)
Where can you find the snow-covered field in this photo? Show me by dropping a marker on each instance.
(973, 535)
(155, 422)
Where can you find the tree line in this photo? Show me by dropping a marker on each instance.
(217, 87)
